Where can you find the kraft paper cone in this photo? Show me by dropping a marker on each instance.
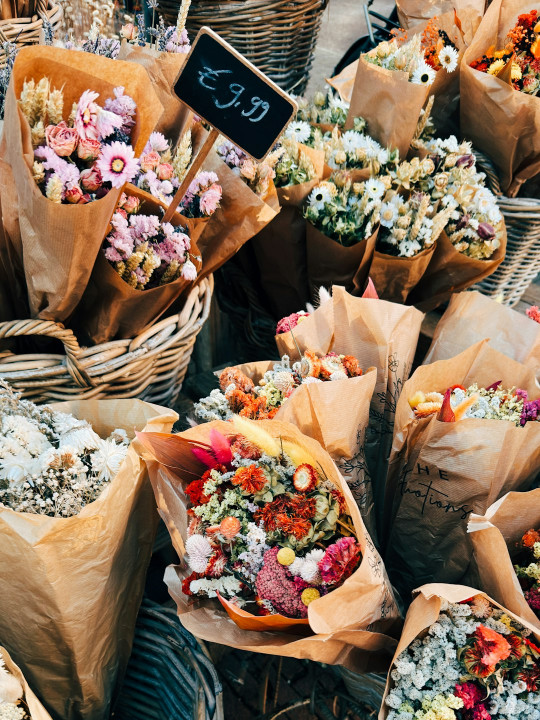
(495, 538)
(71, 587)
(336, 414)
(345, 626)
(374, 98)
(412, 12)
(330, 263)
(241, 215)
(65, 237)
(379, 334)
(36, 709)
(440, 473)
(425, 611)
(396, 277)
(471, 317)
(163, 69)
(451, 271)
(343, 82)
(110, 308)
(501, 122)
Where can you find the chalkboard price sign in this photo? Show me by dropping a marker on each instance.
(221, 86)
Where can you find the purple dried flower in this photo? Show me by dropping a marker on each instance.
(486, 231)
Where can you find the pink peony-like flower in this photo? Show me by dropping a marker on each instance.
(165, 171)
(534, 313)
(88, 149)
(86, 116)
(290, 322)
(117, 164)
(91, 179)
(157, 141)
(61, 138)
(149, 161)
(340, 561)
(470, 693)
(276, 584)
(210, 199)
(73, 195)
(129, 203)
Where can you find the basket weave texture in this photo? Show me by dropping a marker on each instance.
(150, 366)
(26, 30)
(521, 264)
(168, 676)
(278, 36)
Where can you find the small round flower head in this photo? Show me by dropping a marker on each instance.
(309, 595)
(286, 556)
(198, 549)
(229, 527)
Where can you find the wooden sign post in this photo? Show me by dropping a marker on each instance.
(236, 99)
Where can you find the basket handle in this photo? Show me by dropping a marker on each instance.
(18, 328)
(487, 166)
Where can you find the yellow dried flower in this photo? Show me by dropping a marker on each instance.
(41, 95)
(38, 133)
(54, 189)
(516, 72)
(182, 156)
(170, 273)
(38, 172)
(309, 595)
(55, 107)
(496, 67)
(285, 556)
(26, 101)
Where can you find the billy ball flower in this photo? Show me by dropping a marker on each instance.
(309, 595)
(117, 164)
(198, 551)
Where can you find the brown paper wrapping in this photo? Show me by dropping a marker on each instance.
(379, 334)
(37, 711)
(412, 12)
(440, 473)
(374, 98)
(71, 587)
(494, 538)
(280, 248)
(330, 263)
(335, 414)
(471, 317)
(163, 69)
(425, 611)
(110, 308)
(500, 121)
(345, 626)
(451, 271)
(396, 277)
(242, 215)
(64, 237)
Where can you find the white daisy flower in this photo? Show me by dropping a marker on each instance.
(298, 130)
(423, 75)
(374, 188)
(107, 459)
(351, 140)
(319, 196)
(336, 103)
(448, 58)
(388, 214)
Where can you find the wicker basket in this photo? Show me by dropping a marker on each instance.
(278, 36)
(27, 30)
(150, 366)
(169, 676)
(521, 264)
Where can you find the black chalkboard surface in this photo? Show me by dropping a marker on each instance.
(227, 91)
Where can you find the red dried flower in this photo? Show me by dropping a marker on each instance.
(530, 538)
(305, 478)
(195, 490)
(303, 506)
(532, 596)
(342, 503)
(186, 582)
(244, 447)
(251, 479)
(470, 693)
(275, 584)
(340, 561)
(293, 525)
(531, 677)
(488, 648)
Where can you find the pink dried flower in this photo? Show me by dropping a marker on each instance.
(470, 693)
(290, 322)
(534, 313)
(165, 171)
(61, 138)
(129, 31)
(189, 271)
(122, 106)
(91, 179)
(210, 199)
(117, 164)
(157, 141)
(276, 584)
(340, 561)
(149, 161)
(129, 203)
(88, 149)
(86, 117)
(73, 195)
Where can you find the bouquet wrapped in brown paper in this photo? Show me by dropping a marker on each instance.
(499, 118)
(16, 698)
(379, 334)
(506, 537)
(242, 213)
(461, 654)
(413, 12)
(115, 305)
(72, 578)
(471, 317)
(330, 603)
(326, 398)
(280, 248)
(452, 456)
(58, 241)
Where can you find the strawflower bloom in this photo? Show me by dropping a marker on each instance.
(117, 164)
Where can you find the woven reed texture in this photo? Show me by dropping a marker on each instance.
(151, 366)
(521, 264)
(168, 675)
(26, 30)
(278, 36)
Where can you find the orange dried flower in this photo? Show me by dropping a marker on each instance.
(233, 376)
(251, 479)
(311, 365)
(293, 526)
(351, 365)
(530, 538)
(229, 527)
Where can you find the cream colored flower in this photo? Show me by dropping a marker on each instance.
(496, 67)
